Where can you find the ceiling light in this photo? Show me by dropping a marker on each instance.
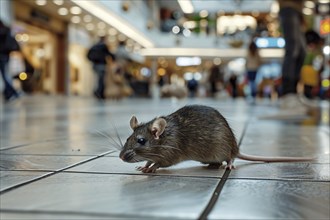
(188, 61)
(41, 2)
(58, 2)
(203, 13)
(101, 25)
(262, 42)
(101, 33)
(217, 61)
(62, 11)
(323, 8)
(274, 8)
(186, 6)
(176, 29)
(88, 18)
(326, 50)
(189, 24)
(25, 37)
(307, 11)
(75, 10)
(75, 19)
(18, 37)
(309, 4)
(188, 76)
(112, 39)
(129, 42)
(90, 27)
(113, 31)
(186, 32)
(121, 37)
(116, 21)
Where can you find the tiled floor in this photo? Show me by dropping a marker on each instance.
(58, 162)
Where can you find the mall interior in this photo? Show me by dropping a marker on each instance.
(60, 140)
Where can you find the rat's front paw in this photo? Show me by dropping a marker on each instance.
(151, 169)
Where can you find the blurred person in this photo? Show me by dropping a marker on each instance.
(192, 86)
(216, 77)
(122, 58)
(324, 92)
(253, 62)
(118, 81)
(8, 44)
(310, 72)
(291, 20)
(233, 84)
(98, 54)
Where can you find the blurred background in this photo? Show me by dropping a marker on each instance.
(176, 48)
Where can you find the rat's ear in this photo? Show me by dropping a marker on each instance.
(133, 122)
(158, 127)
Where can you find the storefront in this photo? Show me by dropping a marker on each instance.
(43, 40)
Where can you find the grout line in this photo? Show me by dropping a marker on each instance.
(175, 176)
(215, 196)
(27, 144)
(49, 155)
(197, 177)
(81, 214)
(142, 174)
(279, 179)
(52, 173)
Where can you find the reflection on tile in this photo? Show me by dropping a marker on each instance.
(294, 171)
(40, 162)
(257, 199)
(12, 178)
(267, 133)
(125, 195)
(56, 132)
(115, 165)
(12, 215)
(83, 145)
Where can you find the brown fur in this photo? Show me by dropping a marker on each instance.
(193, 132)
(187, 136)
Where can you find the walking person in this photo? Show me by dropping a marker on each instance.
(8, 44)
(253, 62)
(291, 20)
(98, 55)
(233, 84)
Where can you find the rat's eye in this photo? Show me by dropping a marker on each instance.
(141, 141)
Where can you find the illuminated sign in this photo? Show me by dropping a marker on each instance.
(325, 26)
(270, 42)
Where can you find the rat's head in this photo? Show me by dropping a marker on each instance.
(139, 146)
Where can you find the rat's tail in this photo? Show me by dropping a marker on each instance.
(273, 159)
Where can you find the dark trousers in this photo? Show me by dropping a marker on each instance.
(9, 90)
(251, 75)
(295, 50)
(100, 70)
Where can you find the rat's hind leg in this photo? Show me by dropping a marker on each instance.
(230, 165)
(214, 165)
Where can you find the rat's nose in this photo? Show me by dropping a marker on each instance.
(126, 156)
(121, 155)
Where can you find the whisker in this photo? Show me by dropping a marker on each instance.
(104, 140)
(117, 134)
(108, 138)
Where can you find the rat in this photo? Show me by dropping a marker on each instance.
(194, 132)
